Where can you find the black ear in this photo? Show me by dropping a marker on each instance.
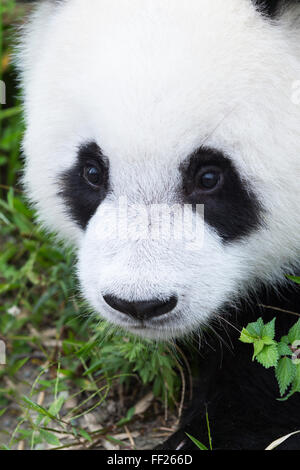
(272, 7)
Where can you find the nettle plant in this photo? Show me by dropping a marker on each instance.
(282, 355)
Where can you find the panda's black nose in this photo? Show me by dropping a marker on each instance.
(142, 310)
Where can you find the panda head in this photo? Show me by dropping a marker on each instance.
(133, 106)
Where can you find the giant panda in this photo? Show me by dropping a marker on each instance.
(191, 104)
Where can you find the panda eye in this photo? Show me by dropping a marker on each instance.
(93, 176)
(209, 179)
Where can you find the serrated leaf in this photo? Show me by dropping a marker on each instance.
(268, 357)
(258, 347)
(268, 341)
(285, 339)
(246, 337)
(285, 374)
(269, 329)
(294, 333)
(284, 350)
(295, 384)
(255, 329)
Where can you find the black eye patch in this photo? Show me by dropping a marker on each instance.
(86, 184)
(267, 7)
(273, 8)
(231, 207)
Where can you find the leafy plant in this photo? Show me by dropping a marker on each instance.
(281, 355)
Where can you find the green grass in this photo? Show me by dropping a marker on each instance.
(62, 362)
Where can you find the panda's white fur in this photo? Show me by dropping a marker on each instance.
(151, 81)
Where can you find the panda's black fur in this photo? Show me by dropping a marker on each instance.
(270, 7)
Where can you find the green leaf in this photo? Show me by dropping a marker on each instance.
(285, 340)
(4, 447)
(295, 384)
(54, 409)
(196, 442)
(256, 328)
(49, 438)
(284, 349)
(114, 440)
(56, 406)
(85, 435)
(246, 337)
(18, 365)
(285, 373)
(294, 333)
(128, 417)
(95, 367)
(11, 112)
(269, 329)
(258, 347)
(269, 356)
(39, 409)
(296, 279)
(268, 341)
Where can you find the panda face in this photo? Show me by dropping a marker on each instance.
(138, 105)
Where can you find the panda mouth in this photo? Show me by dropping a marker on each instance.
(148, 325)
(156, 325)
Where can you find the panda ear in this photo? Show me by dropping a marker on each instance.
(272, 7)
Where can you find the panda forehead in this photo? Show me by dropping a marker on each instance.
(151, 44)
(162, 76)
(155, 80)
(267, 7)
